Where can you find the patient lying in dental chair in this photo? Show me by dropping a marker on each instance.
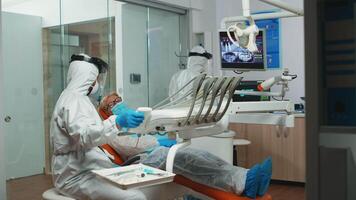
(197, 165)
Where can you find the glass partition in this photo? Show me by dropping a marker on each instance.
(151, 40)
(88, 29)
(164, 42)
(134, 49)
(85, 29)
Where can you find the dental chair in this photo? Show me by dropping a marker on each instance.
(162, 118)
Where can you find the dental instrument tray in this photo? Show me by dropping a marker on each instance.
(135, 176)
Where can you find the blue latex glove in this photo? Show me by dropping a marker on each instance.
(128, 118)
(119, 107)
(166, 142)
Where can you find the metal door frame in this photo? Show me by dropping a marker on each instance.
(312, 81)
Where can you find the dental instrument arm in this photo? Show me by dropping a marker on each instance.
(260, 112)
(282, 80)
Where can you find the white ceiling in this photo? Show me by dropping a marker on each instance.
(9, 3)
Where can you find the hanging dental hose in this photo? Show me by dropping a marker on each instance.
(206, 101)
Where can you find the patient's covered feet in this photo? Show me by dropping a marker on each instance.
(265, 176)
(258, 179)
(252, 181)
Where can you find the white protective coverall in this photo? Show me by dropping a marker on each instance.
(196, 65)
(76, 131)
(129, 146)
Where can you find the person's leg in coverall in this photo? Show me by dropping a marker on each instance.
(202, 167)
(208, 169)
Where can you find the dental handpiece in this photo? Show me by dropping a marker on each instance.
(147, 113)
(147, 118)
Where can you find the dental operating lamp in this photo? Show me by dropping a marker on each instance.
(245, 35)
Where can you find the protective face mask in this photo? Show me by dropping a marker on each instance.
(96, 92)
(95, 89)
(119, 107)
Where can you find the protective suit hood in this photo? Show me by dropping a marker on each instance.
(198, 63)
(81, 75)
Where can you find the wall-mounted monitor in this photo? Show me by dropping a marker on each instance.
(240, 59)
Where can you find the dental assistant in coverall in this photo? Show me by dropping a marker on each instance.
(77, 130)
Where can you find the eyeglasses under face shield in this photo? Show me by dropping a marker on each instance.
(101, 65)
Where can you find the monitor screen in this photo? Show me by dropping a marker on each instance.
(241, 59)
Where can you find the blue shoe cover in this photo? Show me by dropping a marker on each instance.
(265, 179)
(252, 182)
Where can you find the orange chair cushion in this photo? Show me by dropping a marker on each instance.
(212, 192)
(103, 114)
(117, 158)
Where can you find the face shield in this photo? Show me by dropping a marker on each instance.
(206, 54)
(102, 67)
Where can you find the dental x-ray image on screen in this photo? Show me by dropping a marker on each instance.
(239, 58)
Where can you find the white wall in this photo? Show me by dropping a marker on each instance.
(196, 4)
(2, 134)
(292, 43)
(203, 21)
(71, 11)
(48, 9)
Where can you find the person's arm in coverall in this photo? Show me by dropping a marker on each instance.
(128, 146)
(84, 131)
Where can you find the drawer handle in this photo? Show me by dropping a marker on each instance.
(286, 132)
(278, 131)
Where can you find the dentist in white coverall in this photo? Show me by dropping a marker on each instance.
(77, 130)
